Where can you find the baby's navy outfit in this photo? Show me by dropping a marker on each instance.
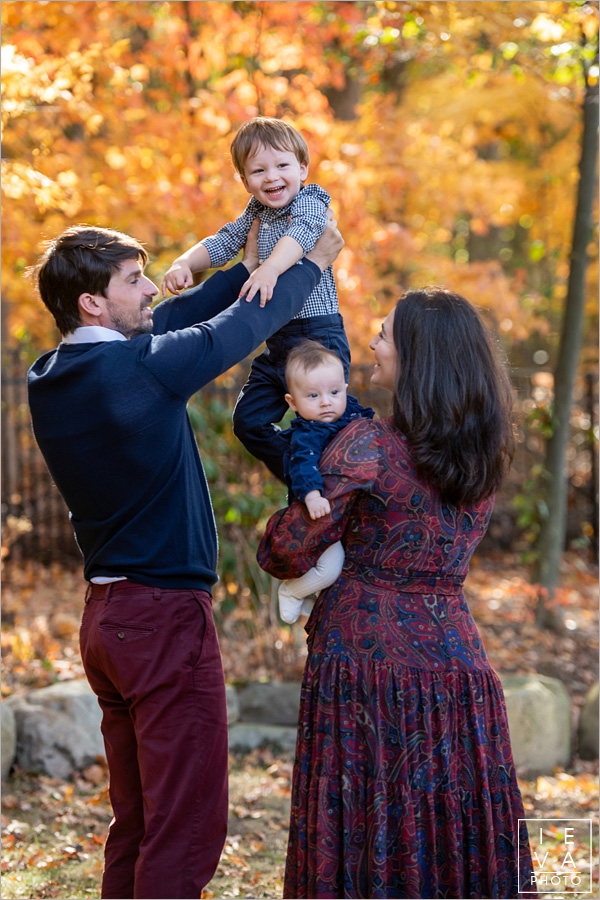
(307, 440)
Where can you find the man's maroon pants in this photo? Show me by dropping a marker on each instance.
(153, 659)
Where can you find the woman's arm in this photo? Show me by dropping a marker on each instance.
(293, 542)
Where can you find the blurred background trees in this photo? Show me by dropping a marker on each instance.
(448, 134)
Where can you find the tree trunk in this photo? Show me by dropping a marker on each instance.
(552, 534)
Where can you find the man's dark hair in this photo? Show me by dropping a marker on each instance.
(82, 260)
(453, 399)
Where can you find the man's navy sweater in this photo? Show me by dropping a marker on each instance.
(110, 419)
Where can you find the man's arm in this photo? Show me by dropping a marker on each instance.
(285, 253)
(329, 245)
(309, 217)
(186, 360)
(211, 252)
(199, 303)
(181, 273)
(212, 296)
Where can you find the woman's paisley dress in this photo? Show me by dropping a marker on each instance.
(404, 783)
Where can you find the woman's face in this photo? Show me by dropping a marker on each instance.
(386, 356)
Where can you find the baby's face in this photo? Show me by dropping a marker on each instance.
(318, 395)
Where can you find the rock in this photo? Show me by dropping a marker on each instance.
(233, 704)
(248, 736)
(587, 730)
(58, 728)
(539, 718)
(9, 738)
(270, 702)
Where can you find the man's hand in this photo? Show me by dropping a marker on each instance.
(317, 505)
(327, 248)
(250, 257)
(261, 282)
(178, 278)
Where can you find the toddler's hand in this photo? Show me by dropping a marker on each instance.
(262, 282)
(178, 278)
(317, 505)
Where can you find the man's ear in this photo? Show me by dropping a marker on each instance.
(89, 306)
(290, 402)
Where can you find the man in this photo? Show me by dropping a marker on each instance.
(109, 413)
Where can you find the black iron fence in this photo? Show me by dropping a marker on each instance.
(35, 523)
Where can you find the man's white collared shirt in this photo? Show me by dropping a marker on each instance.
(92, 334)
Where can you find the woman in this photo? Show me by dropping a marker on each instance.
(404, 783)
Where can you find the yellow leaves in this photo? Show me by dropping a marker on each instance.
(214, 119)
(583, 787)
(93, 122)
(115, 158)
(589, 22)
(547, 29)
(67, 179)
(120, 78)
(139, 72)
(138, 134)
(189, 176)
(115, 49)
(13, 63)
(20, 180)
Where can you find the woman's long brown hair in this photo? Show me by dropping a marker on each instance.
(453, 398)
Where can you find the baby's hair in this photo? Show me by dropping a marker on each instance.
(265, 132)
(308, 355)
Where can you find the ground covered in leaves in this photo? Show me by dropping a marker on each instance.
(54, 831)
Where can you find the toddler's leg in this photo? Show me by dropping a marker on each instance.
(261, 403)
(294, 593)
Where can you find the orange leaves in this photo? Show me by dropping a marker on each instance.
(41, 628)
(126, 120)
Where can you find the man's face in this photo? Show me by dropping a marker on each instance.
(128, 299)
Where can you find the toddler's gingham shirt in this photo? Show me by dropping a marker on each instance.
(307, 214)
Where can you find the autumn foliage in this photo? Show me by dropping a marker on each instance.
(446, 133)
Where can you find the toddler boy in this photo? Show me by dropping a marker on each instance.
(272, 159)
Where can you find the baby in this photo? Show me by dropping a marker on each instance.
(317, 392)
(272, 159)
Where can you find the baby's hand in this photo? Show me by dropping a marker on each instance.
(178, 278)
(317, 505)
(262, 282)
